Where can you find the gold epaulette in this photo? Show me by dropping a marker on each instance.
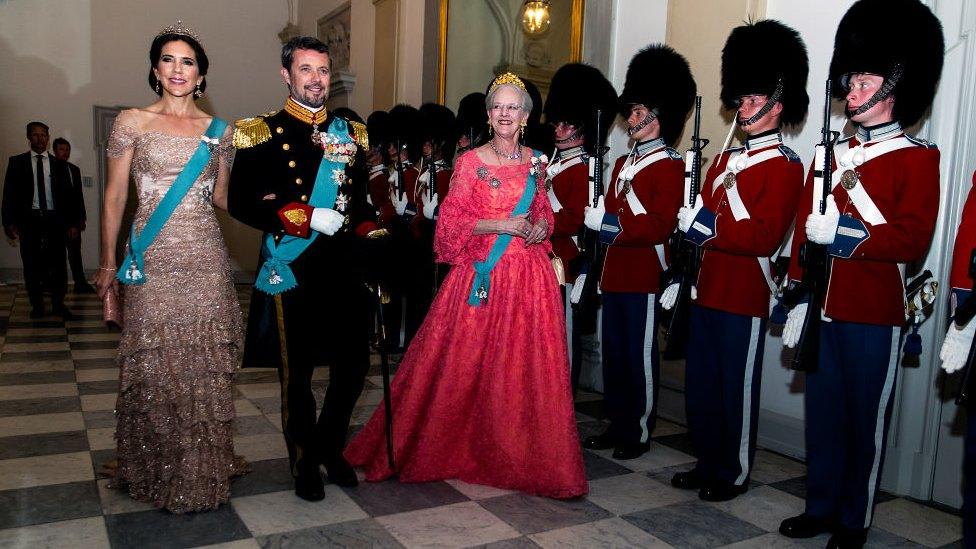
(249, 132)
(360, 134)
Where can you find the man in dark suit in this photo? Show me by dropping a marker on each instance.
(39, 209)
(62, 151)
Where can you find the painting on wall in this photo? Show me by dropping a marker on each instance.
(335, 30)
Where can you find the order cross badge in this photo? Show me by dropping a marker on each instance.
(342, 202)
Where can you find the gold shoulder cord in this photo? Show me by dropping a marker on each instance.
(249, 132)
(360, 134)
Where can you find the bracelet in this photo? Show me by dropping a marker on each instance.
(109, 269)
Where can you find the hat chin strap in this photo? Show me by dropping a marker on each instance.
(571, 137)
(651, 116)
(770, 103)
(887, 87)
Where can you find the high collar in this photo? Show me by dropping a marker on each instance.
(572, 152)
(305, 114)
(645, 147)
(866, 134)
(764, 139)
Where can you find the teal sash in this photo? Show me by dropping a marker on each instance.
(132, 270)
(482, 269)
(276, 275)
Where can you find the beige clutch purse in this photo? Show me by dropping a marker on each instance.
(112, 309)
(557, 266)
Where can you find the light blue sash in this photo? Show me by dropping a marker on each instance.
(482, 269)
(276, 275)
(132, 270)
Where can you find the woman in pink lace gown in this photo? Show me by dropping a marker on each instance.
(483, 393)
(182, 328)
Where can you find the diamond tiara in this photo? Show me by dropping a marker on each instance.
(506, 78)
(180, 29)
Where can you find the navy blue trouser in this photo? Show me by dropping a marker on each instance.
(722, 379)
(969, 480)
(848, 407)
(631, 365)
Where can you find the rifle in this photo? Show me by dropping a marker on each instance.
(431, 193)
(814, 257)
(399, 171)
(385, 371)
(586, 299)
(964, 314)
(686, 255)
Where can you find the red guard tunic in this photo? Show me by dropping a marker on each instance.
(866, 283)
(379, 195)
(568, 190)
(731, 278)
(632, 264)
(965, 243)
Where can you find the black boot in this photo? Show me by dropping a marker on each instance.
(309, 485)
(631, 450)
(599, 442)
(805, 526)
(687, 480)
(340, 472)
(721, 491)
(846, 538)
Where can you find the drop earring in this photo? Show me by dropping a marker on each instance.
(198, 93)
(491, 131)
(159, 88)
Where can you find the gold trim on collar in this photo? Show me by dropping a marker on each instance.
(295, 109)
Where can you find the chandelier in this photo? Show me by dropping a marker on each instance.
(535, 17)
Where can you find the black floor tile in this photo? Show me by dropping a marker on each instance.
(98, 387)
(355, 533)
(530, 514)
(680, 442)
(795, 486)
(152, 529)
(36, 339)
(272, 475)
(43, 444)
(93, 363)
(35, 356)
(392, 496)
(89, 345)
(599, 467)
(37, 378)
(31, 406)
(26, 506)
(693, 524)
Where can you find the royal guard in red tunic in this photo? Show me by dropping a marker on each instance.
(471, 124)
(437, 150)
(378, 168)
(575, 94)
(635, 220)
(880, 215)
(746, 206)
(955, 352)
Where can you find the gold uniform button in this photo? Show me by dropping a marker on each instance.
(304, 198)
(279, 130)
(291, 164)
(285, 146)
(298, 180)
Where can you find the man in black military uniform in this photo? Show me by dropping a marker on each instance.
(325, 318)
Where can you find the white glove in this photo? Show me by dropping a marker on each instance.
(400, 205)
(794, 325)
(593, 217)
(429, 208)
(955, 348)
(327, 221)
(822, 229)
(670, 296)
(686, 215)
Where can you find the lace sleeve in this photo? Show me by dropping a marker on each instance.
(541, 208)
(226, 148)
(459, 213)
(123, 136)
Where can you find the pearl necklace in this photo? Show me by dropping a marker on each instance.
(516, 154)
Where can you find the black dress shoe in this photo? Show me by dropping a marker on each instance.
(688, 480)
(631, 450)
(845, 538)
(598, 442)
(721, 491)
(340, 472)
(805, 526)
(37, 312)
(309, 486)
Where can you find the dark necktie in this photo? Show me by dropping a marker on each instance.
(41, 192)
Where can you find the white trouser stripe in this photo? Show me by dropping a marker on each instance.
(747, 403)
(880, 421)
(648, 355)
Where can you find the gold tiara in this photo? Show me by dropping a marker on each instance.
(180, 29)
(506, 78)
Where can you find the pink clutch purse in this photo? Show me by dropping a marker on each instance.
(112, 309)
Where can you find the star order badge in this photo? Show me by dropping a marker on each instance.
(342, 202)
(729, 180)
(849, 179)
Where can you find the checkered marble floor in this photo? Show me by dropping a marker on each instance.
(58, 383)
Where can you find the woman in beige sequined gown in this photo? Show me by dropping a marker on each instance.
(182, 329)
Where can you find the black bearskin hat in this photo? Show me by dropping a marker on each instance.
(405, 129)
(659, 78)
(783, 59)
(472, 117)
(576, 92)
(437, 126)
(876, 35)
(378, 128)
